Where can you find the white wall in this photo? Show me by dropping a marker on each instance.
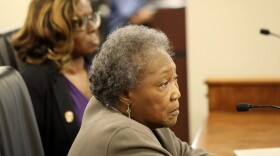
(13, 13)
(224, 41)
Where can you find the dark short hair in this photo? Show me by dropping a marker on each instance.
(122, 59)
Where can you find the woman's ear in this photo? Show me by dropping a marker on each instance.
(124, 97)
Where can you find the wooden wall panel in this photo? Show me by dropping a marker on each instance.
(224, 94)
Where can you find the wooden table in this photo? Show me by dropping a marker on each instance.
(224, 132)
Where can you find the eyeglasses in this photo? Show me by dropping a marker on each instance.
(84, 23)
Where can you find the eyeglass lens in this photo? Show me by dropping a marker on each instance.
(95, 18)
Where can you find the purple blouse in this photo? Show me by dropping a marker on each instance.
(80, 101)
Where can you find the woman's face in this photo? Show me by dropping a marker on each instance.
(86, 40)
(155, 101)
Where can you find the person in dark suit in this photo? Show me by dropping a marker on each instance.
(134, 82)
(55, 41)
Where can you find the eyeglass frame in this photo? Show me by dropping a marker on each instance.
(95, 17)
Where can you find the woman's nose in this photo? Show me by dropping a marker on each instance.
(176, 94)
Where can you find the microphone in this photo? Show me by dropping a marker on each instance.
(264, 31)
(243, 107)
(267, 32)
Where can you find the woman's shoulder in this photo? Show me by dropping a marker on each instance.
(115, 132)
(104, 121)
(38, 73)
(134, 132)
(45, 67)
(135, 140)
(37, 70)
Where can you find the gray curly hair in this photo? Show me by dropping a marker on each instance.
(122, 59)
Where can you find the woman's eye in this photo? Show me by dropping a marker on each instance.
(164, 84)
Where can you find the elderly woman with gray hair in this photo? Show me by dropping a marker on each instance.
(134, 82)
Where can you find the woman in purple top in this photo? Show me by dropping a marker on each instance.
(55, 40)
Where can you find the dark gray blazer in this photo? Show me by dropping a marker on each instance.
(105, 132)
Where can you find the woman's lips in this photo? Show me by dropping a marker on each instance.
(175, 112)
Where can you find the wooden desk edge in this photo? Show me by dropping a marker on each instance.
(260, 80)
(198, 134)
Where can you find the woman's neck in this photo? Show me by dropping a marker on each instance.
(75, 66)
(77, 74)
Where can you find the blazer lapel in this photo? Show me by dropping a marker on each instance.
(66, 107)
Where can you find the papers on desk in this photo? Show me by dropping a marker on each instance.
(258, 152)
